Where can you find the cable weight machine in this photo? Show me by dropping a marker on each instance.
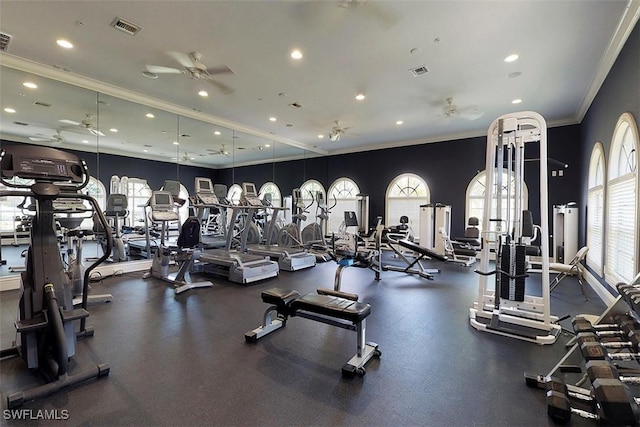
(505, 308)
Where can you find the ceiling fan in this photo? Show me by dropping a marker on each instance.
(192, 66)
(222, 151)
(451, 110)
(86, 124)
(337, 131)
(55, 139)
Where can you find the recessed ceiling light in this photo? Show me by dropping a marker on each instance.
(176, 143)
(511, 57)
(150, 115)
(267, 145)
(514, 75)
(516, 101)
(114, 130)
(84, 141)
(216, 132)
(399, 122)
(64, 43)
(296, 54)
(9, 110)
(30, 85)
(203, 93)
(272, 119)
(360, 97)
(145, 150)
(320, 136)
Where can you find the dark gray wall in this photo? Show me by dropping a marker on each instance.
(619, 93)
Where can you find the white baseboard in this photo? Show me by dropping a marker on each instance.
(598, 288)
(12, 282)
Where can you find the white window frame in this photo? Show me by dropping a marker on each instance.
(308, 188)
(343, 192)
(138, 193)
(478, 212)
(621, 217)
(276, 194)
(402, 191)
(595, 209)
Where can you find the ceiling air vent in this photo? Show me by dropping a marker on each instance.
(4, 41)
(125, 26)
(41, 104)
(418, 71)
(21, 123)
(295, 105)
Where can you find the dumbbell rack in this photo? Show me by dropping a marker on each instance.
(599, 376)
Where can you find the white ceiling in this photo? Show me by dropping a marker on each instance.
(566, 49)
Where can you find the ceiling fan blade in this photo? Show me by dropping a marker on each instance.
(221, 86)
(159, 69)
(182, 59)
(470, 113)
(40, 139)
(222, 69)
(69, 122)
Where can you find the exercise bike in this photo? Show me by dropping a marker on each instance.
(47, 321)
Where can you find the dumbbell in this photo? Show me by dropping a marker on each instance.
(610, 400)
(624, 324)
(604, 369)
(632, 340)
(597, 351)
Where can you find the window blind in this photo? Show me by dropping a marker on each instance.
(621, 230)
(595, 202)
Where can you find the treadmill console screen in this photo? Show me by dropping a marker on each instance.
(203, 185)
(249, 189)
(161, 199)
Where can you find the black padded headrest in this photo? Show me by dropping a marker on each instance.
(404, 219)
(473, 221)
(527, 224)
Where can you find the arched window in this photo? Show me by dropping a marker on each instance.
(404, 196)
(343, 192)
(95, 188)
(234, 193)
(138, 193)
(595, 209)
(309, 188)
(476, 194)
(622, 203)
(272, 188)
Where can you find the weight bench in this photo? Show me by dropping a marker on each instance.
(421, 252)
(334, 308)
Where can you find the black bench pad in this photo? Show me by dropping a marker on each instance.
(327, 305)
(279, 296)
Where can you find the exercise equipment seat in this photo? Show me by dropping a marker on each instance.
(327, 306)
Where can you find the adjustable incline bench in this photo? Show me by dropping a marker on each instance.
(334, 308)
(420, 253)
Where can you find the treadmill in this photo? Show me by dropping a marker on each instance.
(204, 201)
(289, 259)
(236, 266)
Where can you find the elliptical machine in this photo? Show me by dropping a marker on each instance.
(313, 234)
(46, 325)
(116, 209)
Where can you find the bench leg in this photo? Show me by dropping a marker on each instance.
(366, 350)
(270, 323)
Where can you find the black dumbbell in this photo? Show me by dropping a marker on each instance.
(604, 369)
(597, 351)
(624, 325)
(631, 340)
(611, 400)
